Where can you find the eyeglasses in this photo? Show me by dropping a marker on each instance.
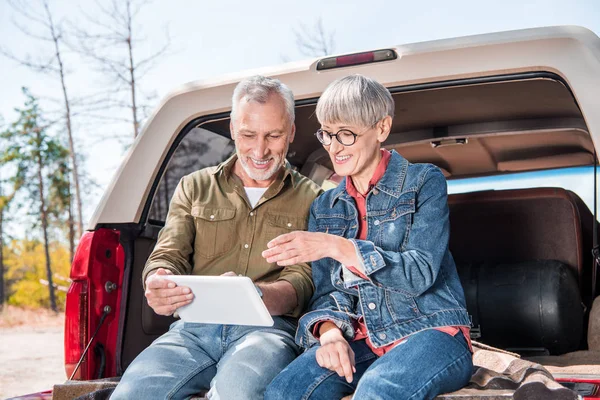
(345, 136)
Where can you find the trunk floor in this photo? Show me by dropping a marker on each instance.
(584, 362)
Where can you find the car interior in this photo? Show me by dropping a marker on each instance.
(523, 255)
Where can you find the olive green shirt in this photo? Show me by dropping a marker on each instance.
(211, 228)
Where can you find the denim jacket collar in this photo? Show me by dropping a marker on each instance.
(391, 182)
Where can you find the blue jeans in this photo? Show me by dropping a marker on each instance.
(424, 365)
(234, 362)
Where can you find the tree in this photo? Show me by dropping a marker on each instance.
(36, 156)
(52, 64)
(26, 273)
(112, 50)
(315, 41)
(5, 201)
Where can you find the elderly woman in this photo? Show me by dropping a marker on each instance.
(388, 318)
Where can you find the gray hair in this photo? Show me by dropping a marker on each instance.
(356, 100)
(259, 88)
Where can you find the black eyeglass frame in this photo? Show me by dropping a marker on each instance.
(331, 135)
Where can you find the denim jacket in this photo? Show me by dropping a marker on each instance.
(412, 281)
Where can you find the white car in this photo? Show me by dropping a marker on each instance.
(491, 105)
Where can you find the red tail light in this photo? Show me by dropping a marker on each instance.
(76, 324)
(356, 59)
(97, 273)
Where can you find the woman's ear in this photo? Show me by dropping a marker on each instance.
(384, 128)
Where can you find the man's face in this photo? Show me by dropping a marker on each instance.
(262, 134)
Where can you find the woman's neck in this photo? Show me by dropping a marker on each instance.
(362, 179)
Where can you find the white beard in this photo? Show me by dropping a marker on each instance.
(258, 175)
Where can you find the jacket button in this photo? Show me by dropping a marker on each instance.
(212, 217)
(246, 246)
(382, 336)
(375, 192)
(289, 225)
(372, 306)
(252, 213)
(376, 223)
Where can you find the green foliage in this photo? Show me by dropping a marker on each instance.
(26, 270)
(26, 144)
(40, 170)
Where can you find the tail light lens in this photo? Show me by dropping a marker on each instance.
(356, 59)
(96, 270)
(76, 332)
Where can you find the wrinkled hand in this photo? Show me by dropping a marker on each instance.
(164, 296)
(336, 355)
(298, 247)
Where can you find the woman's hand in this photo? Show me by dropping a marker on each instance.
(335, 354)
(300, 246)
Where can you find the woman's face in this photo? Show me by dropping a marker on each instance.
(360, 158)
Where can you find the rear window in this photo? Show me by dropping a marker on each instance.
(579, 180)
(200, 148)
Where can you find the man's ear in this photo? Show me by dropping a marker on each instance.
(293, 133)
(231, 130)
(384, 128)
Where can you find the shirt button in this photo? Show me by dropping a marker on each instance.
(212, 217)
(372, 306)
(289, 225)
(252, 213)
(382, 336)
(376, 222)
(246, 246)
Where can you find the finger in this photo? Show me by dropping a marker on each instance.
(334, 361)
(293, 261)
(178, 299)
(346, 365)
(283, 256)
(174, 294)
(279, 249)
(155, 294)
(229, 273)
(326, 359)
(281, 239)
(170, 309)
(156, 282)
(319, 358)
(163, 271)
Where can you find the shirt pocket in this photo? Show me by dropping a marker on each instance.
(215, 230)
(277, 224)
(394, 225)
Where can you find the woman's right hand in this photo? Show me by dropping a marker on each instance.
(335, 353)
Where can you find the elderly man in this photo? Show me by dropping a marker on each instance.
(225, 216)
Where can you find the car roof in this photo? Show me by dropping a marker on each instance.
(571, 52)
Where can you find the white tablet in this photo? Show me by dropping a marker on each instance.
(227, 300)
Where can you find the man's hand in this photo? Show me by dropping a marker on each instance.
(163, 296)
(335, 354)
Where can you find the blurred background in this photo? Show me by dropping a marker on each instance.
(79, 80)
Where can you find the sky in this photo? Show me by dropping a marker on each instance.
(212, 38)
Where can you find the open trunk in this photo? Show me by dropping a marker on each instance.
(505, 242)
(515, 111)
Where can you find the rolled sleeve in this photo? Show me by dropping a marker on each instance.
(371, 260)
(305, 334)
(299, 277)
